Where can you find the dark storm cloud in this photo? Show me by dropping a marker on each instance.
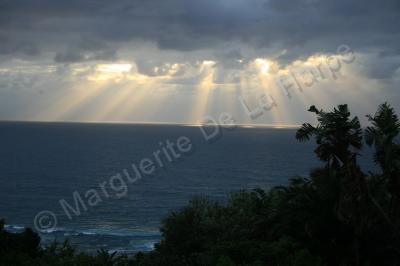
(8, 46)
(302, 27)
(80, 54)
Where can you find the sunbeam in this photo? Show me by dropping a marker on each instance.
(203, 92)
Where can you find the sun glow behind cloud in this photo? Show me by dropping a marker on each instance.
(114, 68)
(105, 72)
(183, 91)
(263, 65)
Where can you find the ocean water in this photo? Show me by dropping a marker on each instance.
(42, 164)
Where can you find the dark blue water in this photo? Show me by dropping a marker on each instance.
(43, 163)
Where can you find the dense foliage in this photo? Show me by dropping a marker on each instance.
(339, 215)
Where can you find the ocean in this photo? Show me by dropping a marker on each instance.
(110, 185)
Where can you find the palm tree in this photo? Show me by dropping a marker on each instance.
(382, 135)
(338, 137)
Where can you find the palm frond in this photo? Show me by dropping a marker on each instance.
(305, 132)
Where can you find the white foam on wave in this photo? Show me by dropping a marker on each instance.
(52, 230)
(12, 227)
(71, 234)
(86, 233)
(103, 232)
(121, 233)
(144, 245)
(135, 246)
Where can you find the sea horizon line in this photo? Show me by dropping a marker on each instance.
(155, 123)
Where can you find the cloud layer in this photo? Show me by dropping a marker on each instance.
(51, 46)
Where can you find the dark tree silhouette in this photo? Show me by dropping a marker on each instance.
(339, 138)
(383, 136)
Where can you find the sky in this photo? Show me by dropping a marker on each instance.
(187, 61)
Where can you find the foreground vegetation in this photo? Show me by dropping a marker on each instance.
(339, 215)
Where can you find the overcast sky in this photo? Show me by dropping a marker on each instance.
(180, 60)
